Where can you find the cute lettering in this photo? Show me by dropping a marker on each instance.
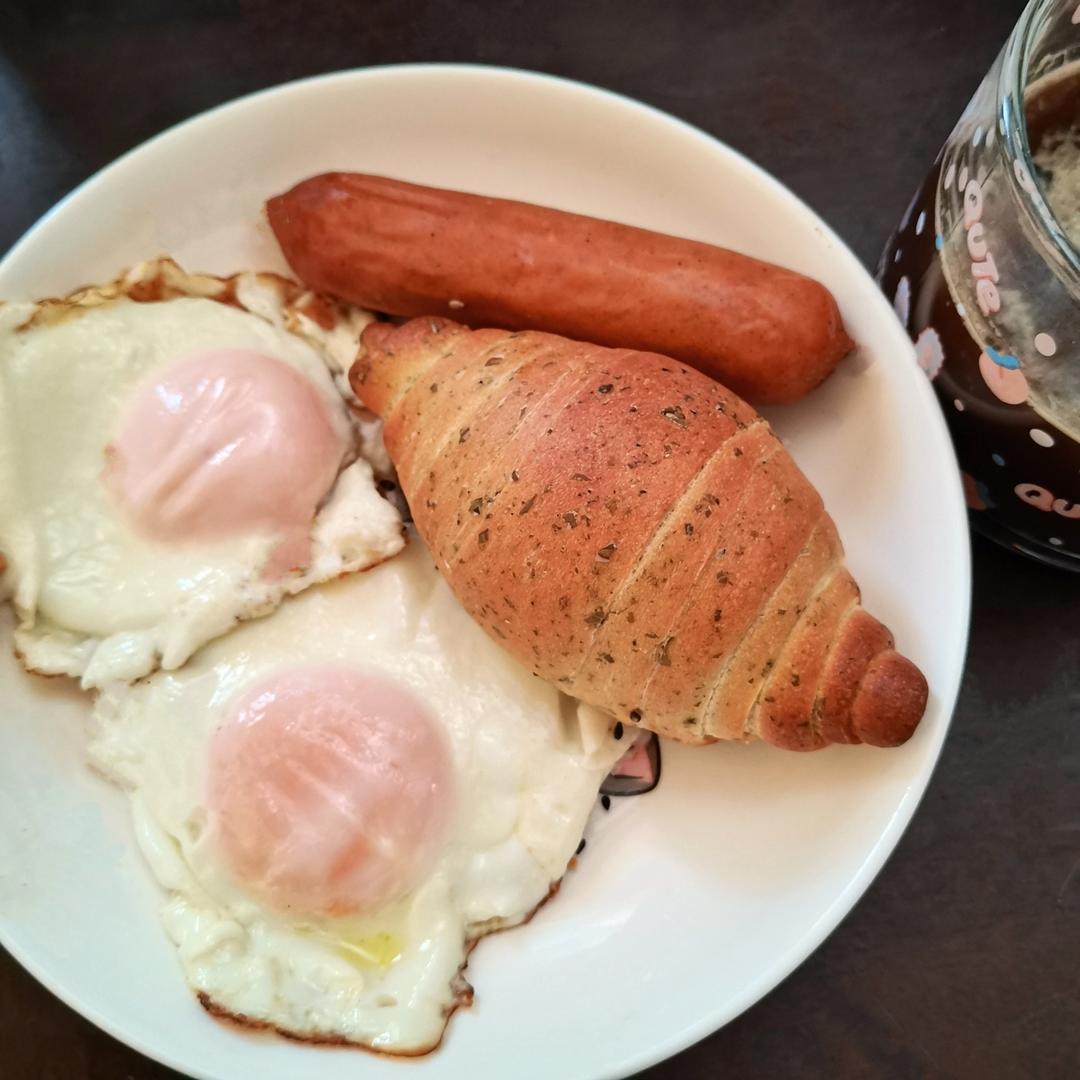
(973, 204)
(1042, 499)
(976, 241)
(986, 270)
(988, 297)
(1035, 495)
(983, 267)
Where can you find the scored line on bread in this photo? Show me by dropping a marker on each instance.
(634, 532)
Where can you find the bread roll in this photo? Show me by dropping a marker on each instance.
(635, 533)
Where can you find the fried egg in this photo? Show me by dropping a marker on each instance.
(175, 457)
(340, 799)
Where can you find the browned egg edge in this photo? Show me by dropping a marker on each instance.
(463, 998)
(163, 279)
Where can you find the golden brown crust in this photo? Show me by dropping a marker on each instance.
(859, 639)
(682, 565)
(632, 531)
(785, 713)
(742, 682)
(890, 701)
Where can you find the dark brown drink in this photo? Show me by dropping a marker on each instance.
(1053, 122)
(984, 272)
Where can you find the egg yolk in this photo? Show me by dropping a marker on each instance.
(328, 790)
(222, 443)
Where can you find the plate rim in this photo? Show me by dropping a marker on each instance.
(959, 539)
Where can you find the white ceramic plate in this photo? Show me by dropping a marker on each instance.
(689, 904)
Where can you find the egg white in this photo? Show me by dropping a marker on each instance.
(527, 768)
(95, 600)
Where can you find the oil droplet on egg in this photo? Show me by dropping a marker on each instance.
(369, 944)
(376, 950)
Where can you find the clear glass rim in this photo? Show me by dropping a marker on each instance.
(1012, 89)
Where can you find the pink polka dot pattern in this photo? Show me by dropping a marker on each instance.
(902, 301)
(1006, 384)
(1045, 344)
(1022, 474)
(929, 353)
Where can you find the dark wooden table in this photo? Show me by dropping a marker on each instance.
(963, 959)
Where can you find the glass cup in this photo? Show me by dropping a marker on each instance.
(984, 272)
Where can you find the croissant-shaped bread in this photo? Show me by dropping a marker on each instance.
(632, 531)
